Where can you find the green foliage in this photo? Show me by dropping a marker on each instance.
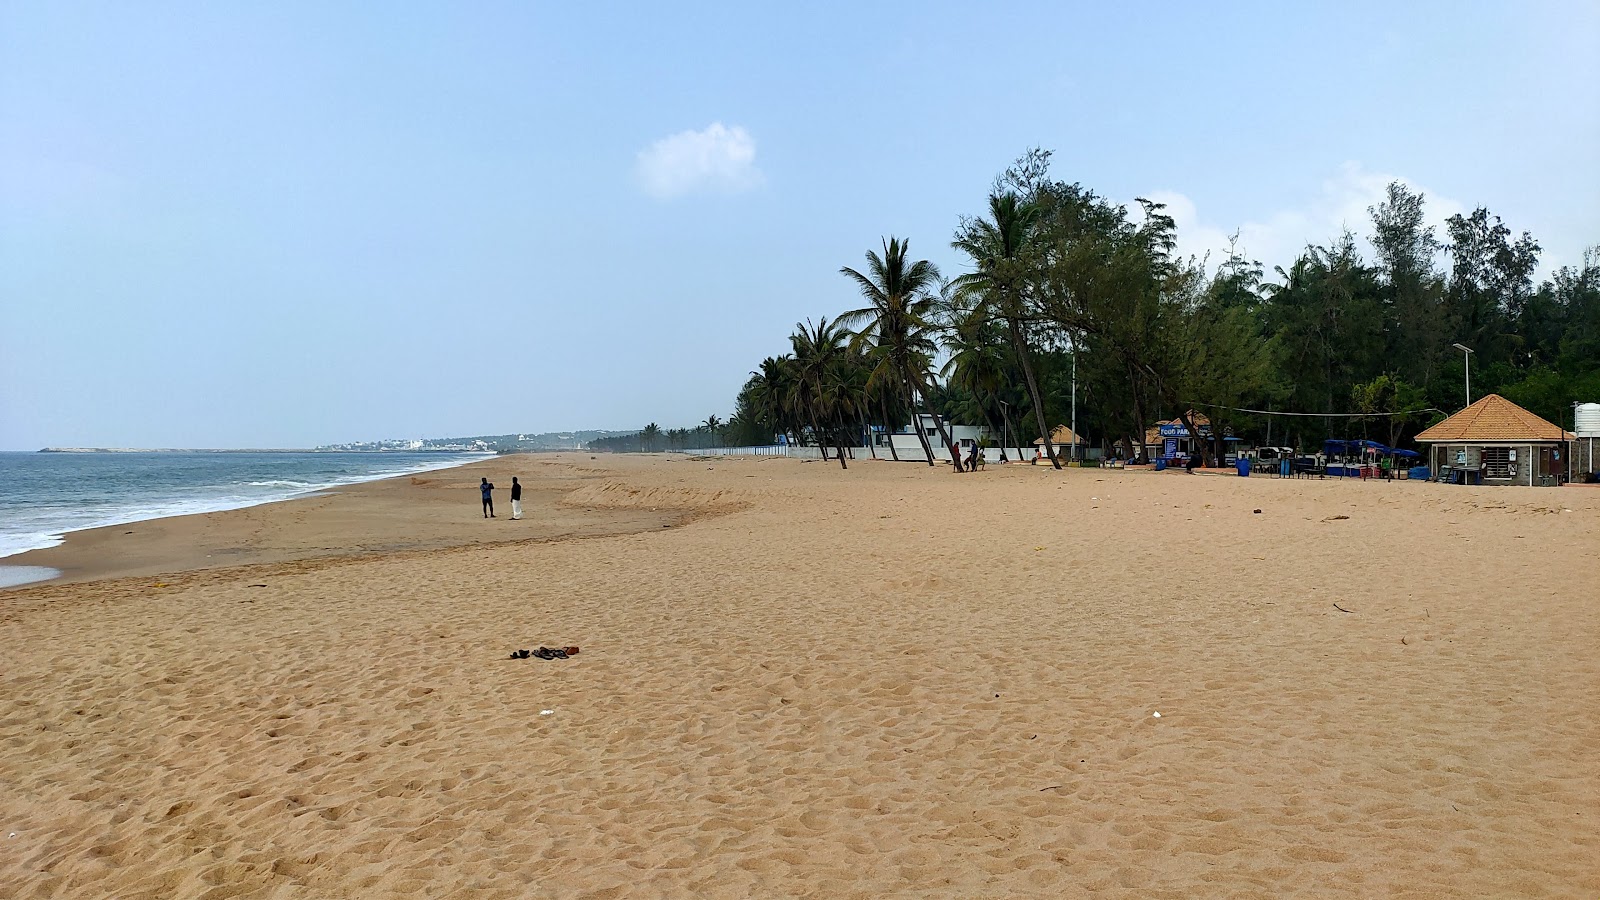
(1059, 275)
(895, 331)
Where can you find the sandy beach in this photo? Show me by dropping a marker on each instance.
(801, 681)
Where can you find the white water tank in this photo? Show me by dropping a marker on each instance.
(1587, 424)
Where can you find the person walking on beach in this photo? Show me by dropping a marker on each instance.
(972, 461)
(488, 498)
(516, 499)
(1192, 463)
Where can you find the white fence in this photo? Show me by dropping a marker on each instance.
(907, 454)
(794, 451)
(769, 450)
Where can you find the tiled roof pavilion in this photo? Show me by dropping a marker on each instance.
(1060, 436)
(1494, 418)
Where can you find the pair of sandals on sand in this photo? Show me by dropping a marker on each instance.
(545, 653)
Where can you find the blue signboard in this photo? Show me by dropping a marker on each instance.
(1178, 430)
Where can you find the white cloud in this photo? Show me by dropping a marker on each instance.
(719, 158)
(1279, 236)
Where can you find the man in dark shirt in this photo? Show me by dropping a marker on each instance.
(516, 499)
(488, 498)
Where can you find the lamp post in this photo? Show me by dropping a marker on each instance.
(1467, 356)
(1074, 402)
(1005, 426)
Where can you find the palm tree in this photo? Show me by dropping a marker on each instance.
(996, 246)
(713, 425)
(884, 398)
(649, 436)
(898, 327)
(979, 363)
(821, 389)
(858, 368)
(771, 390)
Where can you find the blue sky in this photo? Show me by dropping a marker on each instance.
(231, 225)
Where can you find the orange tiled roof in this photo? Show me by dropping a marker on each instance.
(1494, 418)
(1060, 436)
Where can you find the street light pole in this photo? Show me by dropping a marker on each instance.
(1005, 426)
(1467, 356)
(1074, 402)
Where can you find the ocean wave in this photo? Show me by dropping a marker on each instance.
(12, 544)
(46, 527)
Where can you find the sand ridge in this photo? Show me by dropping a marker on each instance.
(890, 681)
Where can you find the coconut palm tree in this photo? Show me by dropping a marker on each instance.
(713, 426)
(649, 436)
(897, 326)
(771, 387)
(885, 400)
(821, 390)
(997, 247)
(979, 363)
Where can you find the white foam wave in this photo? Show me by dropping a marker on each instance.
(21, 541)
(12, 544)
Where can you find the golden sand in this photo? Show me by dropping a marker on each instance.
(890, 681)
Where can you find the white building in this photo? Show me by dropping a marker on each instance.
(908, 447)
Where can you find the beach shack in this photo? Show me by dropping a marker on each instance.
(1062, 440)
(1172, 442)
(1495, 441)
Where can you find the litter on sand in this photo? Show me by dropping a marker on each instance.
(547, 712)
(545, 653)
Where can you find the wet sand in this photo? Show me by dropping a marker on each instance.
(427, 511)
(890, 681)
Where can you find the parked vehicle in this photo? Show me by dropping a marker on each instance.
(1271, 454)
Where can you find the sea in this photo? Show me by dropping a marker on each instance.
(45, 495)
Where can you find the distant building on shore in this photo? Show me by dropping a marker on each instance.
(1495, 441)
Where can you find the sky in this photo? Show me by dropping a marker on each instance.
(292, 224)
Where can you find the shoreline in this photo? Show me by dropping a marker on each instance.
(413, 510)
(134, 516)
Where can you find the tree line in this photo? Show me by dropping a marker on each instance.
(1059, 276)
(1056, 271)
(713, 432)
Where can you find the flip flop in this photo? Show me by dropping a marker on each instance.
(555, 653)
(543, 653)
(571, 651)
(520, 654)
